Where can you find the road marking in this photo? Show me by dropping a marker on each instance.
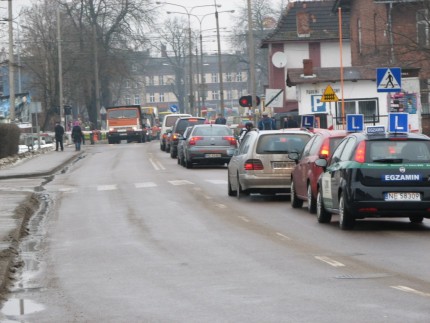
(180, 182)
(156, 164)
(221, 206)
(68, 190)
(243, 218)
(216, 181)
(145, 185)
(107, 187)
(410, 290)
(283, 236)
(330, 261)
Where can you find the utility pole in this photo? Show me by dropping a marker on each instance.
(251, 54)
(221, 84)
(60, 70)
(96, 75)
(11, 66)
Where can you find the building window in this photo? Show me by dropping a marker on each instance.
(367, 107)
(127, 84)
(127, 100)
(229, 94)
(150, 80)
(151, 97)
(423, 27)
(161, 97)
(215, 95)
(303, 26)
(228, 77)
(160, 80)
(137, 99)
(214, 78)
(360, 40)
(239, 77)
(134, 67)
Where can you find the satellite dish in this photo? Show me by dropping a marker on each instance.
(279, 59)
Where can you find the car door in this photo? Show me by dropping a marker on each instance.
(300, 173)
(236, 163)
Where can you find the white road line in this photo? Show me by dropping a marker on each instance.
(145, 185)
(221, 206)
(156, 164)
(106, 187)
(243, 218)
(410, 290)
(180, 182)
(216, 181)
(283, 236)
(330, 261)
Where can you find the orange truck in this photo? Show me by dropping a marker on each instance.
(125, 123)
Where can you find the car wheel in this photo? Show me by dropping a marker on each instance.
(178, 160)
(322, 215)
(312, 207)
(239, 191)
(162, 147)
(295, 201)
(172, 153)
(230, 191)
(346, 220)
(416, 218)
(188, 164)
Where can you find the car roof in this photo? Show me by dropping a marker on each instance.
(387, 135)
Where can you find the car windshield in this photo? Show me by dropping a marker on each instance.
(281, 143)
(398, 151)
(122, 114)
(212, 131)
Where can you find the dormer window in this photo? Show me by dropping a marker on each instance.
(303, 24)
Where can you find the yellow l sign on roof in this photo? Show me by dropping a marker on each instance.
(329, 95)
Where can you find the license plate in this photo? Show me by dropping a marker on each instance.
(282, 165)
(212, 155)
(402, 196)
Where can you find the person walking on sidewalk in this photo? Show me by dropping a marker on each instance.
(59, 136)
(77, 136)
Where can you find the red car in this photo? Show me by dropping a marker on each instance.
(305, 174)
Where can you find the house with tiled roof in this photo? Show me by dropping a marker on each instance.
(341, 44)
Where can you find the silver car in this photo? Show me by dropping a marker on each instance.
(261, 163)
(209, 144)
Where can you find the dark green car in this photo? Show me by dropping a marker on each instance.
(376, 175)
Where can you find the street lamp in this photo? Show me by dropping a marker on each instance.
(190, 49)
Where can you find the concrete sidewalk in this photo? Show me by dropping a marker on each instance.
(18, 205)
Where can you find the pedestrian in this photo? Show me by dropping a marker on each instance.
(266, 123)
(77, 136)
(289, 122)
(248, 127)
(59, 136)
(220, 119)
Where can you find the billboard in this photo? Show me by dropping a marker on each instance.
(22, 107)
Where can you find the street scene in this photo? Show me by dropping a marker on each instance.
(218, 161)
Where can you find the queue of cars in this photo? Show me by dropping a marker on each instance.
(354, 175)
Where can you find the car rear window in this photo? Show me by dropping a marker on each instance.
(401, 151)
(170, 121)
(281, 143)
(183, 124)
(212, 131)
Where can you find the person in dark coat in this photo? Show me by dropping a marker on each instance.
(289, 122)
(59, 136)
(77, 136)
(220, 119)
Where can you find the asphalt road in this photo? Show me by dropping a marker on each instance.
(127, 235)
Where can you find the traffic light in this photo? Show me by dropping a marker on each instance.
(67, 110)
(246, 101)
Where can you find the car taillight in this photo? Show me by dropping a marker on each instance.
(193, 140)
(164, 135)
(360, 152)
(231, 140)
(325, 149)
(253, 164)
(175, 136)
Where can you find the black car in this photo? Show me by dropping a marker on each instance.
(376, 175)
(178, 129)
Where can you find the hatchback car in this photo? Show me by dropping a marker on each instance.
(182, 138)
(376, 175)
(304, 177)
(178, 129)
(209, 144)
(261, 164)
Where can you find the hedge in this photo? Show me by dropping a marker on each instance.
(9, 139)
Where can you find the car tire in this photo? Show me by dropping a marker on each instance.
(162, 147)
(188, 164)
(178, 160)
(416, 219)
(173, 153)
(230, 191)
(239, 192)
(322, 215)
(346, 220)
(296, 203)
(312, 203)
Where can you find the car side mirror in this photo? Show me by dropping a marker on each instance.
(294, 156)
(321, 162)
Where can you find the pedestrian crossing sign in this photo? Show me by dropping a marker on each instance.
(389, 79)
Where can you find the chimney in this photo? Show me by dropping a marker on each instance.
(307, 67)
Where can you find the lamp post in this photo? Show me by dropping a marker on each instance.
(11, 66)
(190, 47)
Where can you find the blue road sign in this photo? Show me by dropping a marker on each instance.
(398, 122)
(317, 105)
(354, 122)
(173, 108)
(389, 79)
(308, 121)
